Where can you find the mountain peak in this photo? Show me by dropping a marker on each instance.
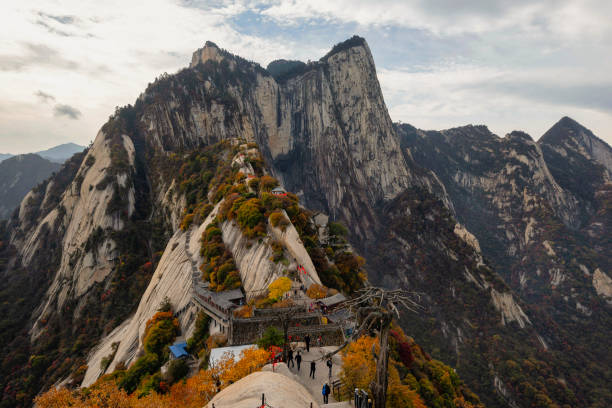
(61, 153)
(210, 51)
(565, 128)
(354, 41)
(569, 134)
(519, 135)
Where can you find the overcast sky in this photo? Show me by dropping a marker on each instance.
(520, 64)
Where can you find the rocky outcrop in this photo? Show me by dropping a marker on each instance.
(247, 392)
(568, 136)
(510, 311)
(253, 259)
(290, 239)
(339, 149)
(540, 212)
(603, 285)
(88, 253)
(172, 280)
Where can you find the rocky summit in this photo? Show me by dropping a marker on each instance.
(506, 240)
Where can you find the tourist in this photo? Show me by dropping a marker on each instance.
(313, 368)
(290, 357)
(319, 341)
(329, 364)
(298, 360)
(307, 340)
(325, 391)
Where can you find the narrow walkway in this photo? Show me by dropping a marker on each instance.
(315, 385)
(195, 272)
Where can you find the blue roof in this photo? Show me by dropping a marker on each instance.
(178, 350)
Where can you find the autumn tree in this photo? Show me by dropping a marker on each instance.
(374, 308)
(278, 288)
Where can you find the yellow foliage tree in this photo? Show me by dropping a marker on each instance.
(244, 311)
(316, 291)
(252, 359)
(358, 367)
(359, 370)
(279, 287)
(106, 394)
(56, 398)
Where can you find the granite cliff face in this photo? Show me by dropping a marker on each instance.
(105, 240)
(541, 213)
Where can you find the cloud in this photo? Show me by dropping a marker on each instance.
(60, 19)
(53, 30)
(441, 63)
(448, 17)
(39, 55)
(44, 97)
(66, 110)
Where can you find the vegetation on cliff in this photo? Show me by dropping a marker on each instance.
(415, 379)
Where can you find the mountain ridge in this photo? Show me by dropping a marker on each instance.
(94, 236)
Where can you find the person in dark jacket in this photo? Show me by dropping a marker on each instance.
(307, 340)
(325, 391)
(329, 364)
(298, 360)
(313, 368)
(290, 358)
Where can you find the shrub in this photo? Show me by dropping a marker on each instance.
(177, 369)
(151, 383)
(316, 291)
(197, 341)
(337, 229)
(218, 267)
(277, 249)
(187, 221)
(283, 303)
(278, 219)
(147, 364)
(271, 337)
(267, 183)
(160, 331)
(165, 305)
(206, 210)
(279, 287)
(254, 184)
(249, 214)
(244, 312)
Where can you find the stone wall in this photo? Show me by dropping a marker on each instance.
(249, 330)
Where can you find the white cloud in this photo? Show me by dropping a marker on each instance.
(447, 17)
(451, 96)
(114, 49)
(514, 64)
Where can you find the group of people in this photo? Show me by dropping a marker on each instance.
(296, 361)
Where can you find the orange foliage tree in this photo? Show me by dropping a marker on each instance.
(316, 291)
(195, 392)
(359, 370)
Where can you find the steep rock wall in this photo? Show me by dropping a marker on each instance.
(82, 214)
(172, 279)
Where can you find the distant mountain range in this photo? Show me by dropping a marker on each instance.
(57, 154)
(4, 156)
(19, 173)
(61, 153)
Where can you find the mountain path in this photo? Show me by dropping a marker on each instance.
(315, 385)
